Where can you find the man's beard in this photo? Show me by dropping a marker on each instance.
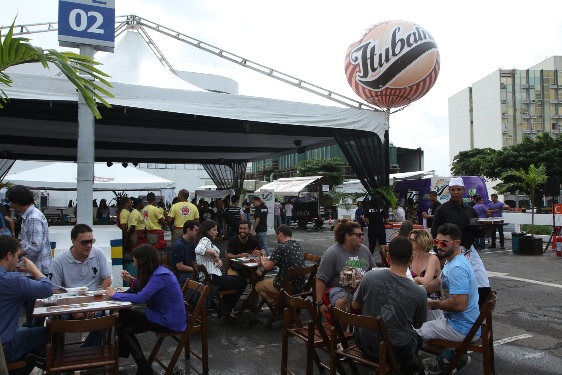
(446, 254)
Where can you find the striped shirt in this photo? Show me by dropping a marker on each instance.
(206, 260)
(35, 239)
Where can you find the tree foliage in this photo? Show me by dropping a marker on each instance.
(16, 51)
(491, 163)
(334, 168)
(531, 179)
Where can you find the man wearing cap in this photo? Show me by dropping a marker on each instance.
(457, 212)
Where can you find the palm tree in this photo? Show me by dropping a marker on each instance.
(16, 51)
(530, 180)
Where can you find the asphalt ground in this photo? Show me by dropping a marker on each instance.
(526, 322)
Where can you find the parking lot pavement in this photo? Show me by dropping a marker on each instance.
(527, 323)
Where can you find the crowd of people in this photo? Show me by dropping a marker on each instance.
(433, 286)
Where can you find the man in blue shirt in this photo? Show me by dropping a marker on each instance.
(460, 297)
(495, 208)
(16, 288)
(183, 252)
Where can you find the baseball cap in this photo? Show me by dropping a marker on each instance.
(456, 181)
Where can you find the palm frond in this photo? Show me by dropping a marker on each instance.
(79, 70)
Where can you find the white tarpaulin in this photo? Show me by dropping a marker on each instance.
(289, 186)
(62, 176)
(213, 194)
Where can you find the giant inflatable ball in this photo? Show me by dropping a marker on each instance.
(393, 64)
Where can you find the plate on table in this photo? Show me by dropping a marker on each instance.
(50, 301)
(121, 289)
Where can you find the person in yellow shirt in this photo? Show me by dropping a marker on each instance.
(181, 212)
(124, 219)
(136, 231)
(153, 221)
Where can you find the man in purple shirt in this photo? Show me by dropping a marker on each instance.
(495, 208)
(482, 211)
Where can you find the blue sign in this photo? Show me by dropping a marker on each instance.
(89, 22)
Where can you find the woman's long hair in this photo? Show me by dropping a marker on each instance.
(405, 228)
(204, 229)
(148, 260)
(424, 241)
(344, 227)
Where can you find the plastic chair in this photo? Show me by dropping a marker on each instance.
(196, 322)
(71, 359)
(387, 362)
(484, 345)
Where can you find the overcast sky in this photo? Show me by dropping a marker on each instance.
(308, 39)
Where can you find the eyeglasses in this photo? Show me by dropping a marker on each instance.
(442, 243)
(357, 234)
(87, 242)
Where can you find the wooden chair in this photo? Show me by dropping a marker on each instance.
(383, 251)
(387, 362)
(484, 345)
(313, 258)
(278, 305)
(313, 333)
(201, 269)
(196, 322)
(71, 359)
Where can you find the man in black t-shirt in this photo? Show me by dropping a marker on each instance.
(376, 216)
(242, 246)
(260, 223)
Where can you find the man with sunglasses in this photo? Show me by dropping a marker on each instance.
(83, 264)
(459, 301)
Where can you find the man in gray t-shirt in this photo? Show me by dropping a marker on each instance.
(83, 264)
(402, 304)
(348, 251)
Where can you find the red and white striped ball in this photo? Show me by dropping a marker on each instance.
(393, 64)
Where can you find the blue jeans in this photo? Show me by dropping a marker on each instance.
(26, 341)
(288, 220)
(260, 236)
(247, 216)
(276, 221)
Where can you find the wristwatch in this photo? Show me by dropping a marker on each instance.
(319, 303)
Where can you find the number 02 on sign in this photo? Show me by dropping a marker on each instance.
(89, 22)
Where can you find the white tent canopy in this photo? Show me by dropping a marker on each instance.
(62, 176)
(289, 186)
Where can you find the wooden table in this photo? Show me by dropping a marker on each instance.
(249, 270)
(67, 304)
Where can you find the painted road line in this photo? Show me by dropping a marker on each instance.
(501, 275)
(511, 339)
(507, 340)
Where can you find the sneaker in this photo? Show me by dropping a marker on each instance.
(492, 247)
(465, 360)
(340, 349)
(437, 366)
(502, 247)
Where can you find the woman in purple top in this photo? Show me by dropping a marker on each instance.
(158, 288)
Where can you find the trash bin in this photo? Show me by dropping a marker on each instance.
(515, 241)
